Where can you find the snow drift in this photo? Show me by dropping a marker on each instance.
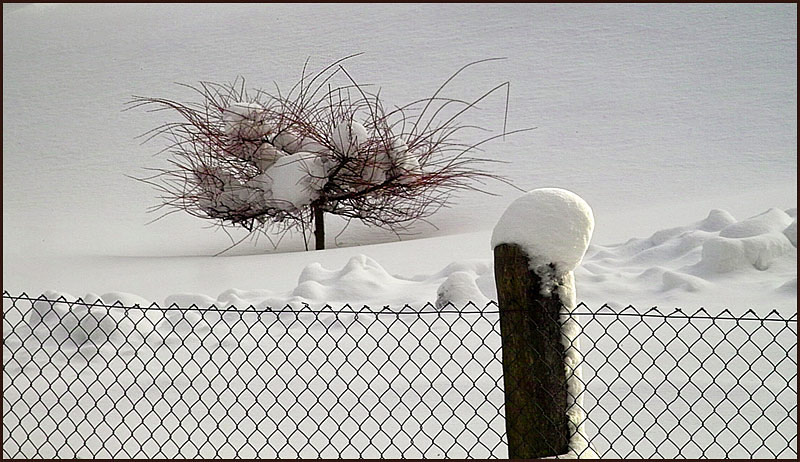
(716, 261)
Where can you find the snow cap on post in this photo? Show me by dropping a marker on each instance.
(552, 225)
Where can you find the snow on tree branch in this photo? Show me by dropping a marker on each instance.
(266, 162)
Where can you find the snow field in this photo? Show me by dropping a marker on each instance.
(639, 110)
(685, 266)
(654, 114)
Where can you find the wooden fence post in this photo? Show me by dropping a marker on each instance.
(540, 238)
(533, 358)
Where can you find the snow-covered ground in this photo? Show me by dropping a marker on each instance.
(718, 262)
(654, 115)
(677, 125)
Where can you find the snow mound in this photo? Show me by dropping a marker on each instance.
(264, 155)
(60, 321)
(676, 280)
(361, 281)
(189, 301)
(753, 243)
(552, 225)
(73, 325)
(722, 255)
(245, 121)
(716, 220)
(459, 289)
(364, 281)
(292, 143)
(361, 278)
(718, 259)
(773, 220)
(296, 180)
(348, 136)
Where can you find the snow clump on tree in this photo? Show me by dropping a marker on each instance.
(277, 163)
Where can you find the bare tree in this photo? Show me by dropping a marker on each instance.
(275, 162)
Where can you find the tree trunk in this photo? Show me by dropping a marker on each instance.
(319, 227)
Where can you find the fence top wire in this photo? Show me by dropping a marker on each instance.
(700, 313)
(428, 308)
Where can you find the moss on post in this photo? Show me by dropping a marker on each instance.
(533, 358)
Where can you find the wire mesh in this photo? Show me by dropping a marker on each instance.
(85, 379)
(696, 385)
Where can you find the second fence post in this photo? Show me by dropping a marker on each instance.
(539, 239)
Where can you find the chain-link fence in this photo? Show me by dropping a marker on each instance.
(87, 379)
(680, 385)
